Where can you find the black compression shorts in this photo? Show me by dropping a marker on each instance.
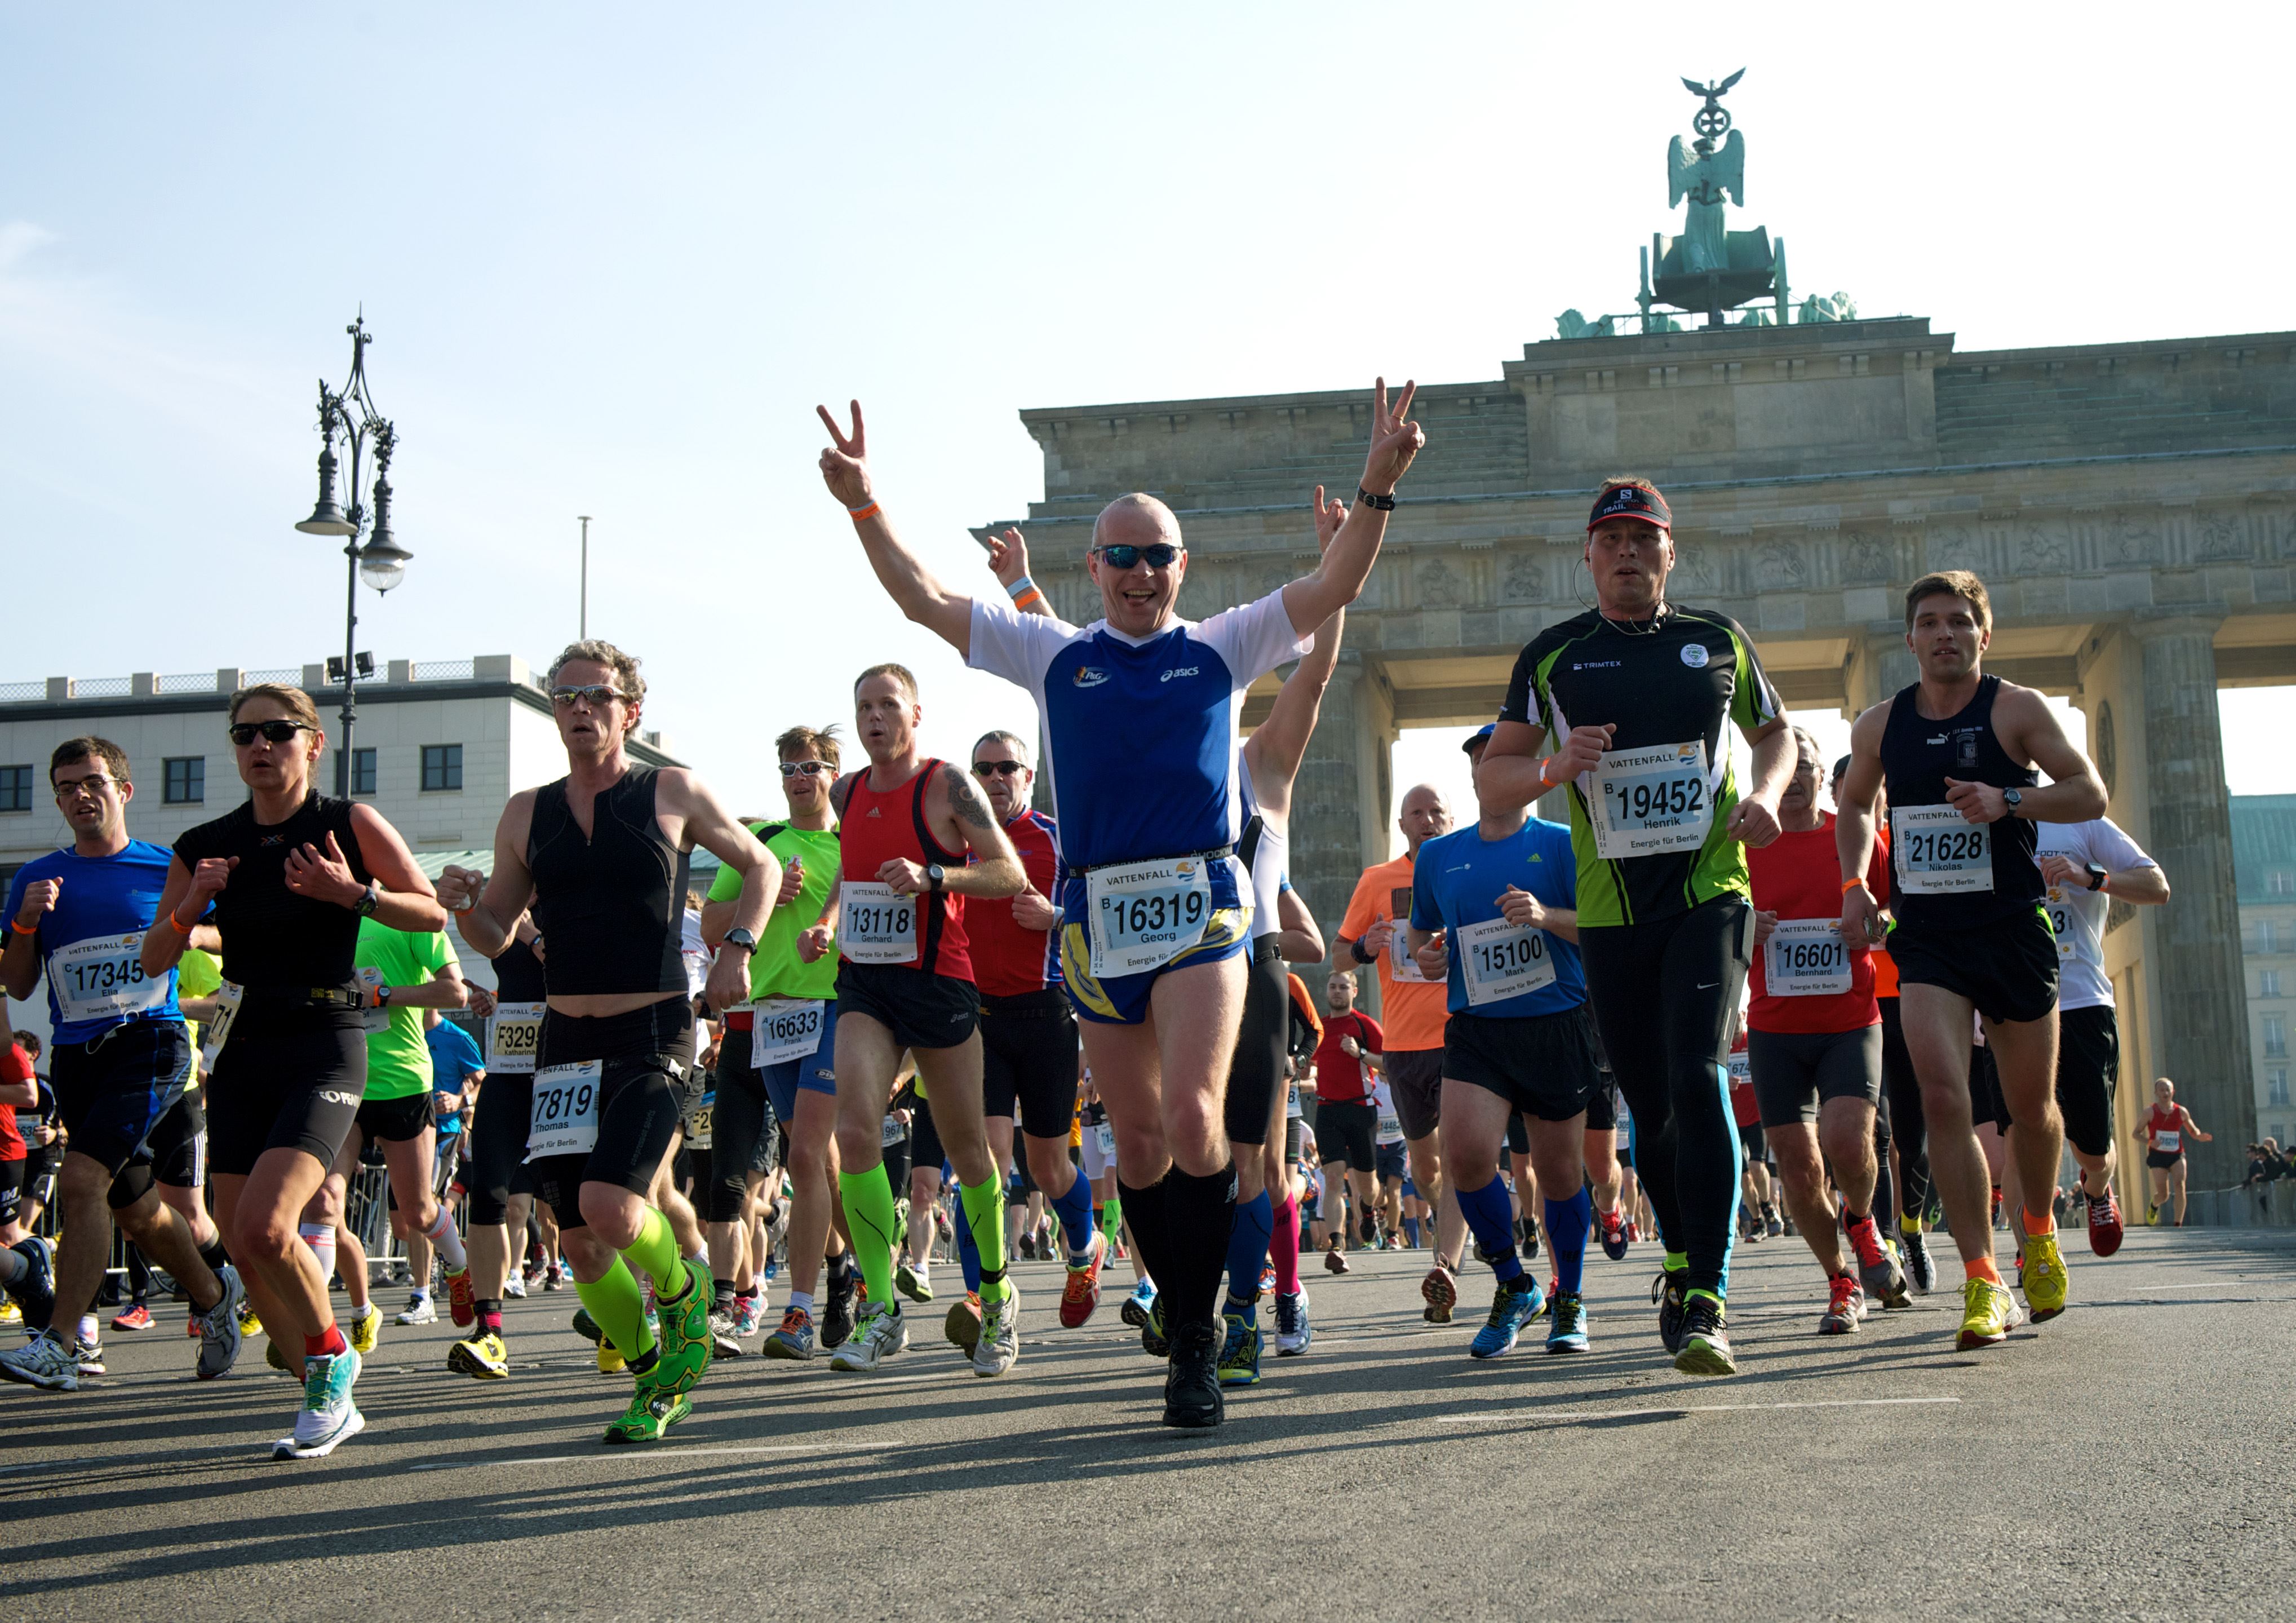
(647, 1073)
(737, 1129)
(1029, 1060)
(495, 1157)
(924, 1138)
(1986, 1101)
(1795, 1073)
(287, 1079)
(1414, 1081)
(2088, 1069)
(396, 1121)
(1256, 1075)
(2008, 968)
(113, 1089)
(179, 1144)
(1343, 1135)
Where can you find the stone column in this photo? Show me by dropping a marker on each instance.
(1340, 800)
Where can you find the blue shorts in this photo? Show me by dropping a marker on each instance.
(1391, 1160)
(816, 1073)
(1122, 1000)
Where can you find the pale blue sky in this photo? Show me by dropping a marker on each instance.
(612, 263)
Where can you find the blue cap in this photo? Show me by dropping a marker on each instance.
(1481, 736)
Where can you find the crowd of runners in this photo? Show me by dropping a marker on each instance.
(1709, 1009)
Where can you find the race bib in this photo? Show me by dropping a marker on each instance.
(1653, 800)
(103, 979)
(783, 1029)
(1147, 914)
(2169, 1142)
(1389, 1130)
(697, 1134)
(514, 1038)
(876, 927)
(565, 1119)
(894, 1132)
(1291, 1110)
(1742, 1069)
(1402, 966)
(1501, 960)
(1103, 1138)
(228, 997)
(1805, 957)
(371, 1019)
(2061, 922)
(1940, 853)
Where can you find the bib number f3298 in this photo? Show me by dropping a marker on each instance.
(514, 1038)
(1147, 914)
(565, 1119)
(1645, 802)
(1937, 852)
(874, 926)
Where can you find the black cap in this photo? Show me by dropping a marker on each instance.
(1631, 501)
(1480, 735)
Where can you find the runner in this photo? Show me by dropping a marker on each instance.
(1494, 915)
(602, 856)
(1347, 1056)
(793, 1069)
(1956, 752)
(1814, 1039)
(1141, 709)
(1411, 1011)
(2164, 1130)
(2088, 867)
(497, 1172)
(905, 980)
(1634, 694)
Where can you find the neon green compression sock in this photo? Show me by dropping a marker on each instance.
(618, 1306)
(984, 1214)
(655, 1252)
(869, 1219)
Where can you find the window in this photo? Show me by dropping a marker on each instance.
(362, 772)
(442, 767)
(15, 788)
(2264, 935)
(2276, 1037)
(2276, 1087)
(2281, 882)
(2268, 983)
(186, 783)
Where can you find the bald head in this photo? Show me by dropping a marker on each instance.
(1425, 814)
(1140, 596)
(1137, 520)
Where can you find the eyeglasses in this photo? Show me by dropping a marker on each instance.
(596, 698)
(1002, 769)
(243, 733)
(96, 784)
(1157, 556)
(810, 769)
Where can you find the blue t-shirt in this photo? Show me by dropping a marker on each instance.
(85, 945)
(1456, 881)
(453, 1056)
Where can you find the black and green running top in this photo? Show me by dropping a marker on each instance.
(1668, 686)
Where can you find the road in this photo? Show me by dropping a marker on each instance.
(2132, 1458)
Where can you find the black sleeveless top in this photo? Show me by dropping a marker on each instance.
(519, 974)
(1918, 754)
(611, 909)
(271, 937)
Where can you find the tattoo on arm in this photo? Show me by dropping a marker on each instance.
(965, 797)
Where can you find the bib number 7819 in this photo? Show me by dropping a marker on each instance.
(565, 1117)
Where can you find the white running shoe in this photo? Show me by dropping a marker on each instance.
(328, 1417)
(999, 1347)
(515, 1285)
(42, 1361)
(419, 1310)
(878, 1334)
(220, 1337)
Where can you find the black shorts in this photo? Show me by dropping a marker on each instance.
(179, 1144)
(1986, 1102)
(1750, 1140)
(396, 1121)
(2008, 968)
(2163, 1159)
(1603, 1104)
(287, 1079)
(1029, 1057)
(924, 1138)
(645, 1078)
(1795, 1072)
(113, 1089)
(1343, 1132)
(2088, 1070)
(1414, 1081)
(1294, 1137)
(920, 1008)
(1543, 1065)
(1518, 1134)
(495, 1160)
(1255, 1076)
(12, 1189)
(739, 1135)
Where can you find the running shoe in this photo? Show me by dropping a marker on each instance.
(1771, 1226)
(1567, 1333)
(1136, 1309)
(1293, 1333)
(1666, 1290)
(1155, 1340)
(1919, 1267)
(649, 1417)
(724, 1342)
(12, 1315)
(879, 1332)
(1192, 1385)
(1705, 1347)
(35, 1291)
(1028, 1246)
(837, 1309)
(611, 1360)
(1266, 1279)
(482, 1357)
(586, 1327)
(458, 1299)
(793, 1339)
(419, 1310)
(1239, 1359)
(1334, 1261)
(1877, 1270)
(1612, 1233)
(88, 1354)
(998, 1348)
(1989, 1313)
(2044, 1276)
(1440, 1291)
(220, 1337)
(1517, 1302)
(276, 1357)
(1530, 1243)
(554, 1277)
(249, 1324)
(515, 1286)
(686, 1345)
(961, 1325)
(748, 1314)
(913, 1280)
(1367, 1231)
(135, 1316)
(364, 1329)
(2104, 1231)
(1081, 1294)
(1845, 1306)
(42, 1361)
(329, 1417)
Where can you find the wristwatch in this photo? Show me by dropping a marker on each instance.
(367, 902)
(741, 938)
(382, 997)
(2012, 799)
(934, 875)
(1384, 503)
(2098, 874)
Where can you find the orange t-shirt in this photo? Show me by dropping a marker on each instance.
(1411, 1012)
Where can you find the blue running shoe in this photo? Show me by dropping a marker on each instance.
(1134, 1311)
(1568, 1334)
(35, 1291)
(1239, 1359)
(1610, 1229)
(1518, 1301)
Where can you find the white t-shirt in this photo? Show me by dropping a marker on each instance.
(2077, 913)
(1389, 1130)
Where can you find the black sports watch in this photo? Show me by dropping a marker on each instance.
(934, 875)
(1385, 503)
(2098, 874)
(367, 902)
(738, 937)
(2012, 799)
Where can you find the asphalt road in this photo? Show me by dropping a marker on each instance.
(2133, 1458)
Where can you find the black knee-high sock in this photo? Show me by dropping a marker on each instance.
(1199, 1215)
(1143, 1214)
(213, 1254)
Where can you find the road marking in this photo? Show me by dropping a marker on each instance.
(1604, 1414)
(664, 1453)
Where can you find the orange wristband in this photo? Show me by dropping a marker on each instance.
(1850, 884)
(1542, 777)
(20, 930)
(859, 513)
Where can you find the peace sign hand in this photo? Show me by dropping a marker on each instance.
(845, 461)
(1008, 557)
(1395, 439)
(1329, 516)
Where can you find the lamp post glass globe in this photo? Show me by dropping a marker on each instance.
(383, 562)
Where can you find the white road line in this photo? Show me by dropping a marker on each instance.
(1603, 1415)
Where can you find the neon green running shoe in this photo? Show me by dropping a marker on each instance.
(650, 1416)
(685, 1344)
(2045, 1276)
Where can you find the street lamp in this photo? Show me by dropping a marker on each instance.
(382, 561)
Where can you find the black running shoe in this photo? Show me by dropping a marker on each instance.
(837, 1310)
(1157, 1343)
(1666, 1290)
(1191, 1388)
(1704, 1349)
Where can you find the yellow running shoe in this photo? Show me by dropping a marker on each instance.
(2045, 1276)
(249, 1324)
(481, 1358)
(365, 1329)
(610, 1361)
(9, 1314)
(1989, 1313)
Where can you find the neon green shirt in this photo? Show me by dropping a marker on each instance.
(775, 970)
(397, 1058)
(198, 975)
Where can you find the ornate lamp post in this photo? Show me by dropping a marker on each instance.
(349, 412)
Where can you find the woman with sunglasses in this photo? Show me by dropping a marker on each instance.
(286, 879)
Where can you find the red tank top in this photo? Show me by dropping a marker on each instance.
(879, 826)
(1009, 959)
(2158, 1122)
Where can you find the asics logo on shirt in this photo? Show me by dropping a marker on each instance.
(1180, 671)
(1090, 676)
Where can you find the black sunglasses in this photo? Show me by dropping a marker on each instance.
(1003, 769)
(811, 768)
(1157, 556)
(243, 733)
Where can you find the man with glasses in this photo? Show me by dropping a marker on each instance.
(1141, 709)
(602, 856)
(782, 1046)
(122, 1059)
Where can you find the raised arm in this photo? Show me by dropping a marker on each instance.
(1278, 744)
(913, 588)
(1754, 820)
(486, 908)
(1339, 578)
(1301, 940)
(407, 901)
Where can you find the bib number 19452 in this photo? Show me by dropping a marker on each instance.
(1649, 801)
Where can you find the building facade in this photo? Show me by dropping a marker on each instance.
(2264, 856)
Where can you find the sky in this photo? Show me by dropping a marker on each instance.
(612, 259)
